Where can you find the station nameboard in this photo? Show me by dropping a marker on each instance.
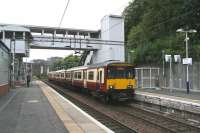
(187, 61)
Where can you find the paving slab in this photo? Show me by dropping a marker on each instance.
(27, 110)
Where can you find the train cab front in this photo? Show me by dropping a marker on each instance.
(121, 82)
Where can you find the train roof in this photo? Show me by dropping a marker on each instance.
(58, 71)
(109, 63)
(106, 63)
(77, 68)
(62, 70)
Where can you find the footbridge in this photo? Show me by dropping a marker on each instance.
(70, 42)
(104, 44)
(63, 38)
(101, 45)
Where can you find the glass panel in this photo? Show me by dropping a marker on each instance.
(79, 75)
(91, 76)
(100, 76)
(121, 72)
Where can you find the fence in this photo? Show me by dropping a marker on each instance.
(179, 76)
(147, 77)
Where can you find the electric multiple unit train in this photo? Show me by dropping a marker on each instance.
(111, 80)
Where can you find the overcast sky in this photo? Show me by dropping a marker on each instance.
(81, 14)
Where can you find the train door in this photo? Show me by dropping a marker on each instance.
(73, 76)
(100, 78)
(85, 78)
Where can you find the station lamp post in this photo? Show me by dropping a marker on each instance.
(12, 51)
(130, 55)
(186, 48)
(163, 57)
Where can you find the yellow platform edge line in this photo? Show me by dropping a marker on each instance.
(68, 122)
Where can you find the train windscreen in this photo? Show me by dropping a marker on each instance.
(121, 73)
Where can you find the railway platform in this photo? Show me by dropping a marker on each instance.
(40, 109)
(176, 99)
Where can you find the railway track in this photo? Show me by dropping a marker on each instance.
(166, 123)
(111, 123)
(133, 118)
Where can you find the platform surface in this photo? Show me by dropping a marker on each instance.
(40, 109)
(74, 119)
(27, 110)
(175, 93)
(177, 99)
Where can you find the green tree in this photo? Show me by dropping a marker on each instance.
(71, 61)
(150, 27)
(68, 62)
(133, 14)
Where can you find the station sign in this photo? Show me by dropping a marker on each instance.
(187, 61)
(177, 58)
(167, 58)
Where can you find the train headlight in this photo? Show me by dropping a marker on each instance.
(130, 86)
(111, 86)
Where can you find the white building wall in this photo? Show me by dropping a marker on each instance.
(20, 46)
(112, 29)
(4, 65)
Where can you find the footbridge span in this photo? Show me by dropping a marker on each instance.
(104, 44)
(98, 46)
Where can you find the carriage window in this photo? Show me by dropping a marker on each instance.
(85, 75)
(74, 75)
(91, 76)
(100, 76)
(79, 75)
(68, 75)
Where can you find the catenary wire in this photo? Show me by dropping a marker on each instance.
(64, 13)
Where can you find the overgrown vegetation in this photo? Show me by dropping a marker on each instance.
(68, 62)
(150, 28)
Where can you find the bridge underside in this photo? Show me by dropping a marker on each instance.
(70, 43)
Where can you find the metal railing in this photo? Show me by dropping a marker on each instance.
(147, 77)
